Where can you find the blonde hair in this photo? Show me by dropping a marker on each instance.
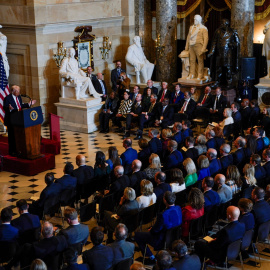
(146, 187)
(38, 264)
(228, 112)
(203, 162)
(155, 161)
(166, 133)
(130, 194)
(249, 173)
(189, 166)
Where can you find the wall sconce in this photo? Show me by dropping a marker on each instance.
(107, 46)
(60, 55)
(159, 48)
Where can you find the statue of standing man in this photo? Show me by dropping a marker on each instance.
(196, 44)
(266, 46)
(3, 49)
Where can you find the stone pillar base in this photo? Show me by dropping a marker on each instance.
(79, 115)
(263, 93)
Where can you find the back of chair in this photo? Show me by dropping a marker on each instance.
(132, 221)
(263, 231)
(148, 214)
(124, 265)
(210, 217)
(181, 198)
(30, 236)
(233, 250)
(7, 251)
(247, 239)
(67, 197)
(107, 203)
(171, 235)
(195, 228)
(87, 211)
(51, 205)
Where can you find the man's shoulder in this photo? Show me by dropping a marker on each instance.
(125, 244)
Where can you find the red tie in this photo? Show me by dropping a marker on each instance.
(163, 94)
(204, 99)
(175, 97)
(18, 104)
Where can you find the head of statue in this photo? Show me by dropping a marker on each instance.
(3, 42)
(71, 52)
(197, 19)
(137, 41)
(224, 23)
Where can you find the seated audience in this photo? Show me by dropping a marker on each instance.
(248, 180)
(163, 261)
(70, 259)
(236, 115)
(190, 168)
(8, 233)
(217, 105)
(114, 159)
(245, 113)
(25, 221)
(76, 232)
(171, 217)
(219, 137)
(38, 264)
(144, 153)
(108, 112)
(148, 196)
(176, 179)
(191, 151)
(226, 159)
(211, 141)
(164, 92)
(251, 144)
(176, 96)
(165, 113)
(240, 155)
(127, 206)
(122, 249)
(186, 108)
(99, 257)
(203, 166)
(265, 121)
(258, 133)
(204, 103)
(129, 155)
(224, 192)
(123, 84)
(186, 130)
(67, 181)
(211, 197)
(233, 179)
(184, 261)
(154, 167)
(155, 143)
(216, 249)
(166, 135)
(177, 129)
(246, 217)
(175, 158)
(150, 86)
(193, 210)
(254, 113)
(162, 187)
(101, 168)
(227, 113)
(260, 172)
(201, 144)
(146, 97)
(266, 157)
(137, 175)
(214, 163)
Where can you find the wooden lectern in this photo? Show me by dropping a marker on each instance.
(27, 129)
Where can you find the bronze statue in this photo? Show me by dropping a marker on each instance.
(226, 46)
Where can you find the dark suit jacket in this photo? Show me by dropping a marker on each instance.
(154, 90)
(214, 166)
(143, 156)
(261, 212)
(154, 111)
(248, 220)
(221, 103)
(128, 156)
(237, 117)
(266, 167)
(191, 153)
(67, 182)
(186, 133)
(188, 262)
(207, 102)
(168, 115)
(111, 104)
(127, 208)
(260, 175)
(99, 257)
(10, 100)
(167, 95)
(179, 97)
(211, 198)
(161, 189)
(8, 233)
(135, 180)
(53, 189)
(76, 234)
(93, 77)
(114, 78)
(84, 174)
(178, 137)
(26, 222)
(211, 143)
(120, 184)
(226, 161)
(155, 145)
(260, 145)
(122, 250)
(137, 110)
(245, 113)
(174, 160)
(238, 156)
(98, 87)
(76, 266)
(190, 107)
(254, 116)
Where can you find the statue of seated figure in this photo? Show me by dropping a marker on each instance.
(73, 76)
(137, 63)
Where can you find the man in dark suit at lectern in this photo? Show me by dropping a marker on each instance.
(13, 103)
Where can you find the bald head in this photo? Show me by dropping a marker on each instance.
(136, 165)
(220, 179)
(233, 213)
(100, 76)
(211, 153)
(47, 230)
(80, 160)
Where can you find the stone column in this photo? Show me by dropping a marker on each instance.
(166, 15)
(143, 26)
(242, 20)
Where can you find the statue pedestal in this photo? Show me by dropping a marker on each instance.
(263, 92)
(79, 115)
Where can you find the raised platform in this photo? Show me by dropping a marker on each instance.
(80, 115)
(28, 167)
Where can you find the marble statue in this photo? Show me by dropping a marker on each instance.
(196, 44)
(3, 49)
(136, 61)
(184, 55)
(226, 46)
(266, 46)
(72, 74)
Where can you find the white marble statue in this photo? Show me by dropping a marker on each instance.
(184, 55)
(3, 49)
(136, 61)
(72, 74)
(266, 46)
(196, 44)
